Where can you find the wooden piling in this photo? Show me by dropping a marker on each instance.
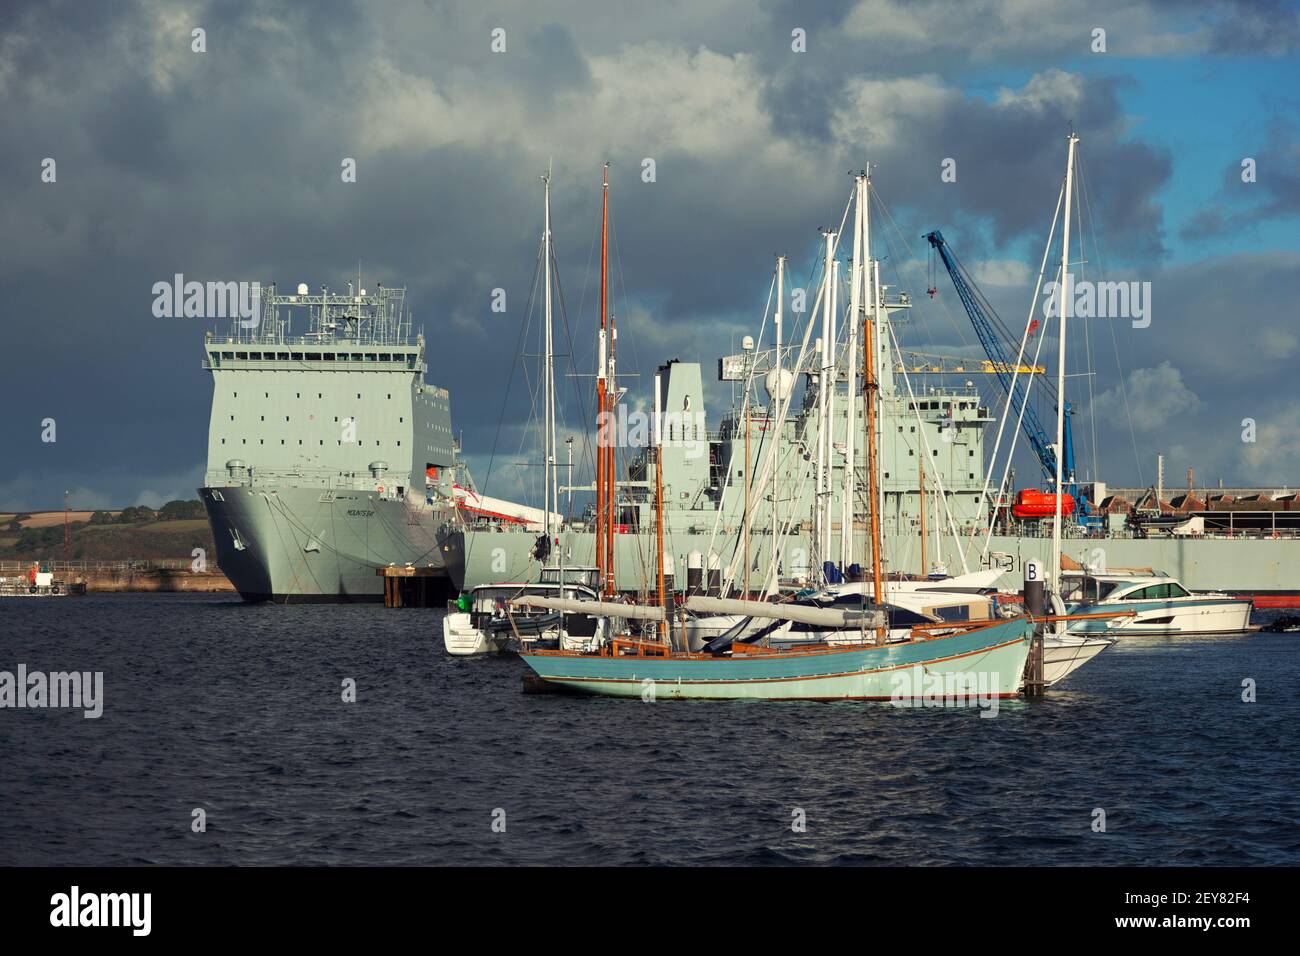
(415, 587)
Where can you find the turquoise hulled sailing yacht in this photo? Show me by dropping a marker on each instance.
(983, 659)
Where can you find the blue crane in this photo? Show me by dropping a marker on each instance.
(992, 334)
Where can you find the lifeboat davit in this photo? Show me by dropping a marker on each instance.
(1032, 503)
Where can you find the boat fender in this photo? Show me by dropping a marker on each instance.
(1058, 607)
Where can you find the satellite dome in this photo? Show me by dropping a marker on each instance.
(782, 377)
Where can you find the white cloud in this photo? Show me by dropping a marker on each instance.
(993, 29)
(1156, 397)
(875, 114)
(1054, 89)
(1003, 272)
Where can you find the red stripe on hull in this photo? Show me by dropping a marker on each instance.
(1289, 601)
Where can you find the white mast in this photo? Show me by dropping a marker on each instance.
(938, 542)
(777, 407)
(855, 317)
(823, 422)
(1060, 369)
(877, 360)
(551, 492)
(832, 383)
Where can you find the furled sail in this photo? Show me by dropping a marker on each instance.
(630, 612)
(801, 613)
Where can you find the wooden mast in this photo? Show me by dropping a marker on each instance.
(610, 479)
(602, 395)
(869, 389)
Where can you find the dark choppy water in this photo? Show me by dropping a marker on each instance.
(237, 709)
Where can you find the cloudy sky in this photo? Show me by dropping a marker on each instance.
(225, 164)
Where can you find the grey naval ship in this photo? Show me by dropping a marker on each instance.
(329, 455)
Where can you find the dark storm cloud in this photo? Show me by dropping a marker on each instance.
(226, 165)
(1253, 27)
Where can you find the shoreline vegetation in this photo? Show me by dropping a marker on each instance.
(133, 549)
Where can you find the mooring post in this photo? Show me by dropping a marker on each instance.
(1035, 595)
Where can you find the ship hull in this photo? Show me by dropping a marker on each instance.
(982, 664)
(1062, 656)
(302, 545)
(1261, 567)
(1169, 618)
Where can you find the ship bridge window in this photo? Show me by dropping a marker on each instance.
(282, 355)
(385, 357)
(313, 356)
(329, 356)
(241, 355)
(371, 357)
(356, 356)
(297, 356)
(255, 356)
(227, 355)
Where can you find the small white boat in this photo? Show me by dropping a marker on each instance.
(486, 622)
(1160, 606)
(1063, 654)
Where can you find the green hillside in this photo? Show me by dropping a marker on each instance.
(138, 533)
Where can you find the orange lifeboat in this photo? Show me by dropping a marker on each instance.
(1032, 503)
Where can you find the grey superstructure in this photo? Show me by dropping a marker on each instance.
(329, 456)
